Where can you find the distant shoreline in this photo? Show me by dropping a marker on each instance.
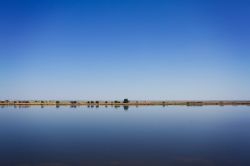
(124, 103)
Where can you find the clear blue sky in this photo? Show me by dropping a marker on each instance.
(115, 49)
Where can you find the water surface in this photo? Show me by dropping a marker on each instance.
(153, 135)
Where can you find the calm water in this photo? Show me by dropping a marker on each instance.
(174, 135)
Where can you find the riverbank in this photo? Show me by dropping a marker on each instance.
(125, 102)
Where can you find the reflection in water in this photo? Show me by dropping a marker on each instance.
(125, 107)
(142, 136)
(117, 106)
(23, 106)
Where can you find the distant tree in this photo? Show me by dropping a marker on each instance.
(73, 102)
(57, 102)
(92, 102)
(42, 102)
(106, 102)
(97, 102)
(117, 101)
(125, 101)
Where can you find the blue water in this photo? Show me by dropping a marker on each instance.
(173, 135)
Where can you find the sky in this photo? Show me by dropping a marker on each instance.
(116, 49)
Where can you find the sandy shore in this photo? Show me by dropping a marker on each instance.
(130, 103)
